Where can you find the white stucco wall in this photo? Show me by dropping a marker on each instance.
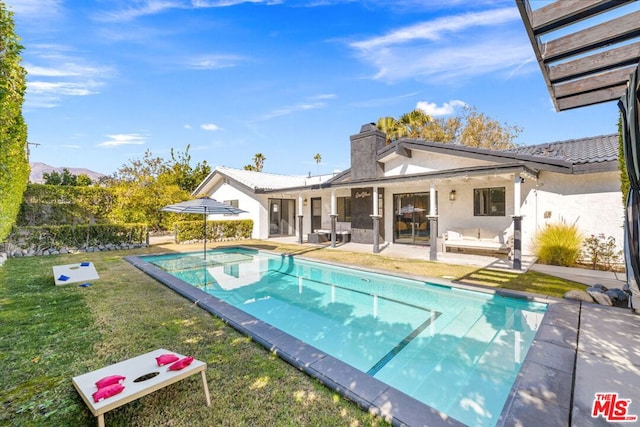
(421, 162)
(255, 208)
(592, 201)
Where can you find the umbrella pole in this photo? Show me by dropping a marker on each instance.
(205, 233)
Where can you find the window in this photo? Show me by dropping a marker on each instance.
(344, 209)
(489, 201)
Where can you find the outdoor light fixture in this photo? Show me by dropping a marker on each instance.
(305, 202)
(452, 195)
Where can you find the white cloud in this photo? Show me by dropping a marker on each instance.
(210, 127)
(154, 7)
(325, 96)
(36, 9)
(446, 109)
(214, 61)
(117, 140)
(448, 48)
(60, 88)
(187, 126)
(290, 109)
(53, 73)
(438, 28)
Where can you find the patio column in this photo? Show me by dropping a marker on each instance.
(433, 223)
(300, 216)
(334, 216)
(376, 222)
(517, 224)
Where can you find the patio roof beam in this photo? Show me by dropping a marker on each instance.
(567, 12)
(614, 31)
(591, 98)
(606, 80)
(591, 59)
(618, 57)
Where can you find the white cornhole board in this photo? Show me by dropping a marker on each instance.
(75, 273)
(136, 368)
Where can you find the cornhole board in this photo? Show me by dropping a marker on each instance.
(137, 368)
(80, 272)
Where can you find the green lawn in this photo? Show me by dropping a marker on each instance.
(48, 334)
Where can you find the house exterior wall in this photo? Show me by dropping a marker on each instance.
(254, 205)
(421, 162)
(592, 201)
(456, 214)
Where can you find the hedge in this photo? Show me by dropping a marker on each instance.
(56, 237)
(65, 205)
(216, 230)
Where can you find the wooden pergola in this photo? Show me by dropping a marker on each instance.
(582, 63)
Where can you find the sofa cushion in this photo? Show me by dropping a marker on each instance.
(470, 233)
(453, 235)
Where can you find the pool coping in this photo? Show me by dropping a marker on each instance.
(542, 389)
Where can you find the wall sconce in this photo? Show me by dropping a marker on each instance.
(452, 195)
(304, 202)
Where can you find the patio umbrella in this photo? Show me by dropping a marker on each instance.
(203, 206)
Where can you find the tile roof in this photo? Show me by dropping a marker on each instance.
(596, 149)
(270, 181)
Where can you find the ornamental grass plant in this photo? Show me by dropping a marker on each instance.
(558, 244)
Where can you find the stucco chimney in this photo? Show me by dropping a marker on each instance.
(364, 149)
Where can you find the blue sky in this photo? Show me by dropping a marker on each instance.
(109, 79)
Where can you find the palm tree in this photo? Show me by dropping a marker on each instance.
(258, 161)
(391, 127)
(318, 159)
(414, 123)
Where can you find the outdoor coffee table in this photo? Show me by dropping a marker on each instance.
(139, 381)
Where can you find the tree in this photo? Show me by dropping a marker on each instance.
(318, 159)
(141, 188)
(83, 180)
(52, 178)
(391, 127)
(258, 163)
(470, 128)
(481, 131)
(67, 178)
(182, 174)
(414, 123)
(14, 159)
(258, 160)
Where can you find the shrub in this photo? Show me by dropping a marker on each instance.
(216, 230)
(601, 252)
(558, 244)
(77, 236)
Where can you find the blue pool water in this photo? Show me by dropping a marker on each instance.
(456, 350)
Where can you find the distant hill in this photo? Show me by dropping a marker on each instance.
(38, 169)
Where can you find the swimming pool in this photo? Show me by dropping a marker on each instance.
(455, 350)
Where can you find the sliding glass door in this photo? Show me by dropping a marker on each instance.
(282, 217)
(411, 225)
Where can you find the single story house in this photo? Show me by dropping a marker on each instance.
(417, 192)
